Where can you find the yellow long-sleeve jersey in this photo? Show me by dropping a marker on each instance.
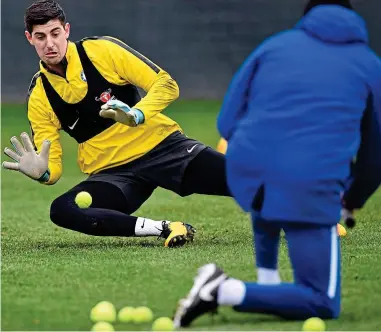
(118, 144)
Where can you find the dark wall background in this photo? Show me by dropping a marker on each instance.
(199, 42)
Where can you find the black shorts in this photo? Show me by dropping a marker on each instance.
(164, 166)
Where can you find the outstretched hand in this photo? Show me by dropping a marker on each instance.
(27, 160)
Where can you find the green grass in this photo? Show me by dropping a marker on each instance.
(51, 277)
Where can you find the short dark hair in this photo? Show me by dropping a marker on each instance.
(313, 3)
(41, 12)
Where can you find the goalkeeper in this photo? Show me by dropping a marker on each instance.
(126, 145)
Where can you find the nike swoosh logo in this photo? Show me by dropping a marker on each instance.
(74, 124)
(192, 148)
(206, 291)
(144, 221)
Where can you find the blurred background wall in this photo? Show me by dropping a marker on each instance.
(200, 43)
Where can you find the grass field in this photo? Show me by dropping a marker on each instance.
(51, 277)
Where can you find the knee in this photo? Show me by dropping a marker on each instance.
(330, 309)
(59, 210)
(66, 214)
(333, 313)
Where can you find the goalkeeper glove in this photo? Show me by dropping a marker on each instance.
(27, 160)
(121, 112)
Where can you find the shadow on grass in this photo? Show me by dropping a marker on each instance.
(96, 245)
(133, 243)
(108, 243)
(220, 321)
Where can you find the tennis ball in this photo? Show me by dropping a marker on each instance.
(142, 315)
(341, 231)
(126, 314)
(83, 199)
(163, 324)
(222, 146)
(103, 312)
(102, 326)
(314, 324)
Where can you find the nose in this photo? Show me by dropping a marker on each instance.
(49, 42)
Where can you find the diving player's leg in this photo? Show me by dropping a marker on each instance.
(110, 212)
(206, 175)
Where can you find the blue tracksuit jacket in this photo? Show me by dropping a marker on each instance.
(304, 105)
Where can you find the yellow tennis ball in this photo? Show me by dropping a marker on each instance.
(103, 312)
(341, 230)
(222, 146)
(142, 315)
(314, 324)
(163, 324)
(102, 326)
(126, 314)
(83, 199)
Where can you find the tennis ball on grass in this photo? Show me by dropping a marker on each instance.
(314, 324)
(83, 199)
(142, 315)
(341, 230)
(222, 146)
(163, 324)
(103, 312)
(126, 314)
(102, 326)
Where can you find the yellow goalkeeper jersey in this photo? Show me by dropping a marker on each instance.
(102, 145)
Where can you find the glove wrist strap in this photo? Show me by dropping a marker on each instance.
(139, 116)
(45, 177)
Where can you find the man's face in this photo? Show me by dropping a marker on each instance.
(50, 41)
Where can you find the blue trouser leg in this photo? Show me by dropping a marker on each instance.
(315, 256)
(266, 244)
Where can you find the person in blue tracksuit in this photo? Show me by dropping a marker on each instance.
(303, 120)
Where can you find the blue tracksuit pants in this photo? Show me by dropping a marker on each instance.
(314, 252)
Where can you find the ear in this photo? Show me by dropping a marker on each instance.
(67, 30)
(29, 37)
